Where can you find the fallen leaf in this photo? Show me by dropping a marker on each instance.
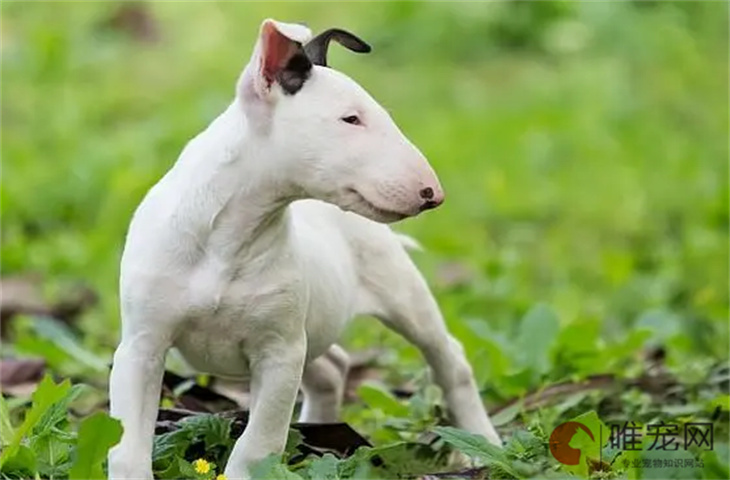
(20, 376)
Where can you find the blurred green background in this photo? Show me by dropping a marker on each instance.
(583, 147)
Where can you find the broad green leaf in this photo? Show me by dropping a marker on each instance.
(46, 394)
(538, 333)
(376, 396)
(213, 429)
(323, 468)
(28, 343)
(181, 468)
(578, 346)
(717, 462)
(54, 453)
(358, 464)
(408, 459)
(63, 337)
(518, 381)
(97, 434)
(22, 464)
(271, 468)
(631, 456)
(525, 444)
(177, 468)
(722, 401)
(491, 346)
(7, 432)
(507, 415)
(293, 440)
(58, 412)
(476, 446)
(168, 445)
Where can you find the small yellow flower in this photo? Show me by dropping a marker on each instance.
(221, 477)
(201, 466)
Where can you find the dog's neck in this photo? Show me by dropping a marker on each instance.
(243, 191)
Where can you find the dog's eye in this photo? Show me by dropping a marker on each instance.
(352, 120)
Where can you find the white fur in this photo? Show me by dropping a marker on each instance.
(244, 259)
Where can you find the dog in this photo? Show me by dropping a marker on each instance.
(268, 234)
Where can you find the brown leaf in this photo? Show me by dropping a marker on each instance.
(553, 393)
(22, 295)
(19, 377)
(195, 397)
(338, 438)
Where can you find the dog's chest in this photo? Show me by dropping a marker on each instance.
(213, 345)
(227, 319)
(227, 316)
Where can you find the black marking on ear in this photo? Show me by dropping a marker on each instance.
(316, 48)
(297, 71)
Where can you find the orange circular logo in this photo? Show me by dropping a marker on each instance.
(560, 442)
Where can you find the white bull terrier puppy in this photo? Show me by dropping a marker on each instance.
(264, 239)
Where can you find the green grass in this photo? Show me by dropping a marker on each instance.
(583, 148)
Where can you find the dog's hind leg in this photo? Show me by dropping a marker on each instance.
(323, 384)
(396, 293)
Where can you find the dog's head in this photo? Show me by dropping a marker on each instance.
(336, 142)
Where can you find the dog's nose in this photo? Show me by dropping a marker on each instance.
(433, 198)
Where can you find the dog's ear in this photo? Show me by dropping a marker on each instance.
(316, 49)
(278, 58)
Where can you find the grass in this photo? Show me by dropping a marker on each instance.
(583, 148)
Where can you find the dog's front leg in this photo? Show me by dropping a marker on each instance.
(276, 372)
(134, 393)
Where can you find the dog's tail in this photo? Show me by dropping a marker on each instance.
(409, 243)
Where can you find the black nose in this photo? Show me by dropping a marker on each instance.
(427, 193)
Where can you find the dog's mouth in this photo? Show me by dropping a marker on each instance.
(373, 211)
